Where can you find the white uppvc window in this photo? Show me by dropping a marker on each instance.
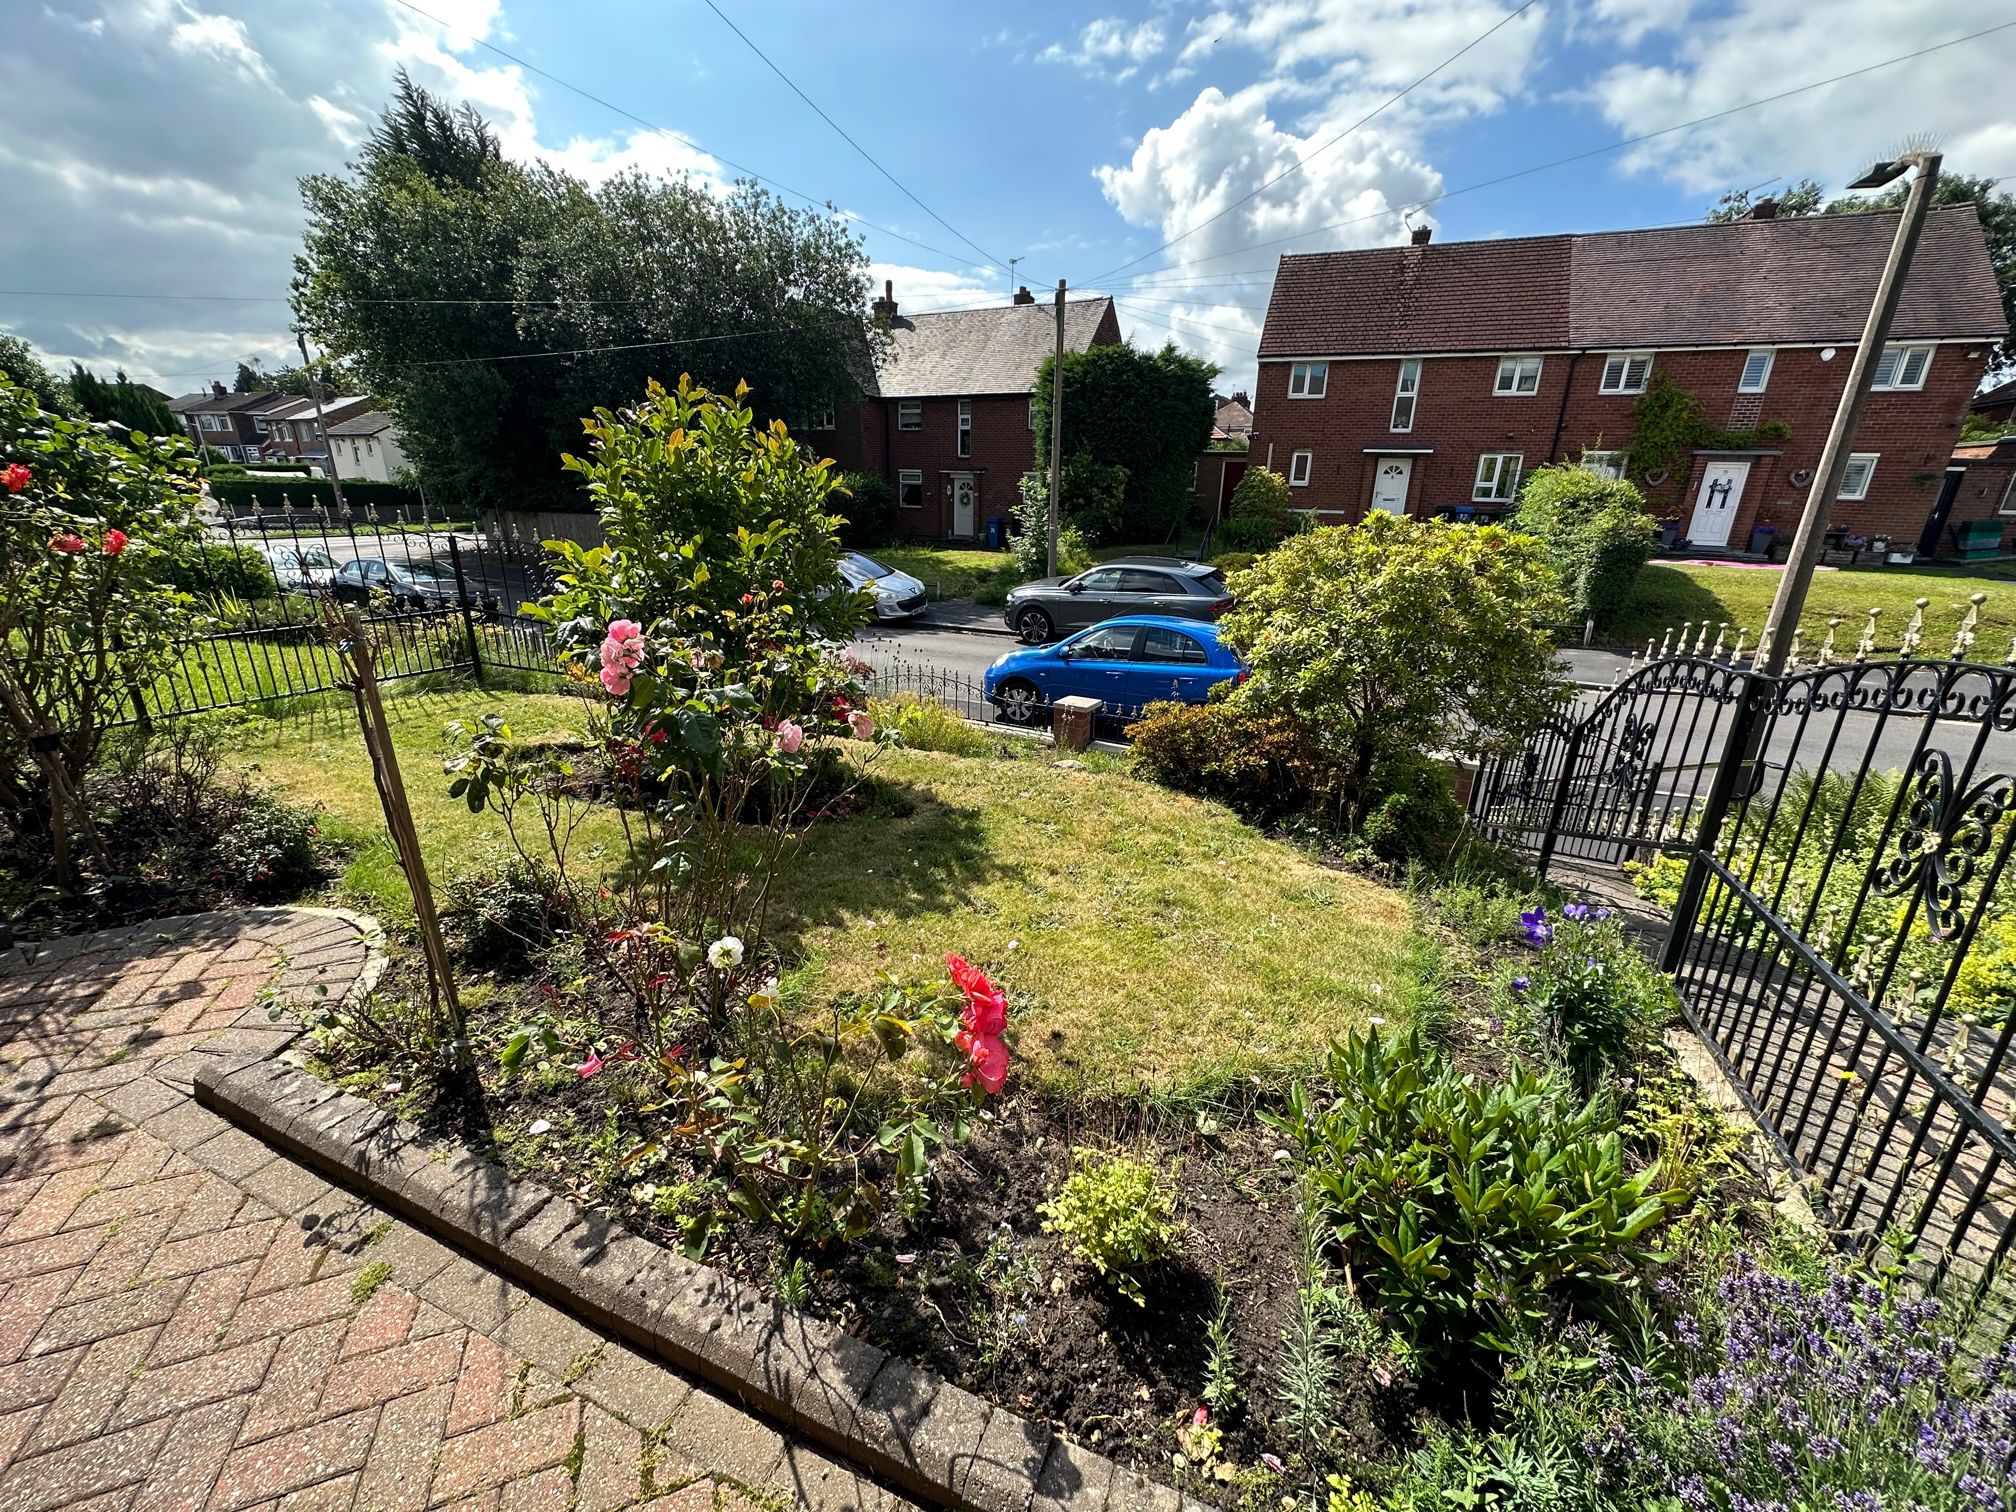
(1625, 373)
(1855, 480)
(909, 414)
(910, 488)
(1497, 477)
(1902, 367)
(1517, 375)
(1608, 464)
(965, 427)
(1756, 371)
(1298, 469)
(214, 422)
(1308, 380)
(1405, 393)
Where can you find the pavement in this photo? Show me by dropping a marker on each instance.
(188, 1320)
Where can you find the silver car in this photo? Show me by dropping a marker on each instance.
(1041, 611)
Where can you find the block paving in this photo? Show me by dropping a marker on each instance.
(188, 1320)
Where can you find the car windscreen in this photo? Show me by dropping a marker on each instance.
(865, 567)
(429, 572)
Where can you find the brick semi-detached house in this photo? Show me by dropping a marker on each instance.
(949, 419)
(1427, 379)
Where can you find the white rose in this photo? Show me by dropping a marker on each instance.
(725, 954)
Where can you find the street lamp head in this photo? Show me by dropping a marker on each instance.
(1881, 174)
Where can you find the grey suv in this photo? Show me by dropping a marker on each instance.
(1043, 610)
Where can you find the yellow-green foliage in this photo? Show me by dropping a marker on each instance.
(1116, 1214)
(927, 725)
(1985, 986)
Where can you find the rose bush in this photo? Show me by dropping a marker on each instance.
(84, 626)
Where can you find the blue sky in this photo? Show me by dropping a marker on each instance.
(154, 144)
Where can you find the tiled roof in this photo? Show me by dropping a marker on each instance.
(992, 351)
(256, 403)
(2002, 393)
(1808, 278)
(370, 423)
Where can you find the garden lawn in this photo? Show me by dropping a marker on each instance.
(1668, 596)
(1146, 938)
(947, 572)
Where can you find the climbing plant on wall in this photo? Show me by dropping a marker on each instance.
(1669, 424)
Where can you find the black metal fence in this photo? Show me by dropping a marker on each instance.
(1833, 844)
(438, 601)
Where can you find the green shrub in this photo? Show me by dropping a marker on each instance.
(1030, 544)
(269, 850)
(1259, 764)
(1234, 561)
(869, 503)
(1262, 512)
(1590, 997)
(1414, 814)
(1472, 1213)
(1596, 532)
(1116, 1214)
(503, 911)
(237, 494)
(924, 724)
(212, 571)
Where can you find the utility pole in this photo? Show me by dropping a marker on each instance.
(315, 398)
(1056, 431)
(1812, 536)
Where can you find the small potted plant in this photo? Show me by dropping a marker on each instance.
(1763, 540)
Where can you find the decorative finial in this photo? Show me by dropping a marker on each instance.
(1798, 634)
(1914, 632)
(1866, 646)
(1963, 638)
(1825, 656)
(1721, 635)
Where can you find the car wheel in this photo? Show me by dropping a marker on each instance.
(1019, 702)
(1034, 626)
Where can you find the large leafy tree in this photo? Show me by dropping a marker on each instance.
(1146, 413)
(1997, 209)
(493, 304)
(122, 400)
(1396, 637)
(20, 362)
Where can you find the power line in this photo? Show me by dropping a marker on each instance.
(1577, 157)
(682, 138)
(873, 161)
(1302, 162)
(632, 346)
(1171, 320)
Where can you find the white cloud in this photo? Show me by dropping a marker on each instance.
(1761, 47)
(919, 291)
(1109, 48)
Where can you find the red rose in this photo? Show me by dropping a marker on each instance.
(778, 584)
(115, 542)
(748, 599)
(16, 477)
(69, 543)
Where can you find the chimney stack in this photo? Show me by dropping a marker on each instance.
(1765, 209)
(1421, 235)
(1023, 296)
(217, 390)
(885, 307)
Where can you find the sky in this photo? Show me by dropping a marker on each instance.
(152, 147)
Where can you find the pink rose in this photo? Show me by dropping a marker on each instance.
(115, 542)
(862, 723)
(790, 737)
(623, 647)
(988, 1057)
(617, 681)
(67, 544)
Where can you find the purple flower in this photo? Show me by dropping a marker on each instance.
(1534, 922)
(1521, 986)
(1600, 915)
(1576, 911)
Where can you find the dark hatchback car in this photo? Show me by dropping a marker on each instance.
(418, 584)
(1043, 610)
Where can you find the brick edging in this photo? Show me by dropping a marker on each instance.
(901, 1422)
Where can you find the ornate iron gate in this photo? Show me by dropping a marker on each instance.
(1834, 845)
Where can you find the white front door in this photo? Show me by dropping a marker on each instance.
(1715, 505)
(1389, 484)
(963, 492)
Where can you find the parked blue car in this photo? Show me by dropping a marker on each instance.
(1126, 662)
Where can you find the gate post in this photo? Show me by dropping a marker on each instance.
(1736, 763)
(1569, 752)
(462, 598)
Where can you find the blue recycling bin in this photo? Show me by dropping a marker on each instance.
(997, 532)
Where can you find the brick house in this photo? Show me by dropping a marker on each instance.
(292, 433)
(1980, 487)
(235, 424)
(1997, 403)
(949, 417)
(1427, 379)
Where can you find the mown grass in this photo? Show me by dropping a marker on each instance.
(1668, 596)
(961, 572)
(1148, 940)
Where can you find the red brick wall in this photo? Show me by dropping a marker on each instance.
(1459, 417)
(1003, 449)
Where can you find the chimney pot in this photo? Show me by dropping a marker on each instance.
(885, 308)
(1023, 296)
(1765, 209)
(216, 389)
(1421, 235)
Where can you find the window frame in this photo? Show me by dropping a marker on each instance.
(1763, 383)
(1314, 378)
(905, 477)
(1302, 463)
(1202, 657)
(1514, 363)
(1624, 384)
(1905, 350)
(909, 414)
(2008, 504)
(1478, 495)
(965, 438)
(1132, 632)
(1410, 367)
(1868, 476)
(214, 423)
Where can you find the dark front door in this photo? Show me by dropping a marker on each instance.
(1935, 523)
